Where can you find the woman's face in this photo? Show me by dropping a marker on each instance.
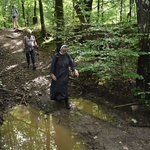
(64, 50)
(29, 34)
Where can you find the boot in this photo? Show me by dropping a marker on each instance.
(28, 65)
(67, 103)
(34, 67)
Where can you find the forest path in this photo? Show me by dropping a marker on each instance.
(22, 85)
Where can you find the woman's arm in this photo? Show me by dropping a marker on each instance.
(53, 67)
(76, 72)
(24, 42)
(53, 77)
(71, 63)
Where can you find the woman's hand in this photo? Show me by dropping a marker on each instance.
(53, 77)
(76, 73)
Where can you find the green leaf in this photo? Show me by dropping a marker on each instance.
(134, 120)
(133, 75)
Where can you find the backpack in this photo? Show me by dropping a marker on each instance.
(57, 56)
(16, 11)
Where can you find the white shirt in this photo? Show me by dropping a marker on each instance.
(30, 41)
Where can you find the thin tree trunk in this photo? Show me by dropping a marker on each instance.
(102, 11)
(143, 68)
(98, 9)
(43, 29)
(59, 21)
(121, 7)
(88, 9)
(35, 21)
(23, 12)
(80, 14)
(35, 8)
(129, 15)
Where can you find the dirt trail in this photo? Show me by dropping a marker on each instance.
(23, 85)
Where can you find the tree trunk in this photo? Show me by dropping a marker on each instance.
(80, 14)
(102, 11)
(87, 5)
(23, 12)
(98, 9)
(35, 8)
(129, 15)
(121, 7)
(143, 68)
(43, 29)
(35, 20)
(59, 21)
(88, 9)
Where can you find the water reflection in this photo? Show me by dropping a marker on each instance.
(92, 109)
(28, 129)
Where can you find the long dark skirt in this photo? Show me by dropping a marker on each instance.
(59, 96)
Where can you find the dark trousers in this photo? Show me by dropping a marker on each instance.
(32, 55)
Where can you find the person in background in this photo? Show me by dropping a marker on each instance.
(14, 17)
(29, 43)
(59, 72)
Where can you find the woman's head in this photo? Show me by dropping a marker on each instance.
(29, 32)
(63, 48)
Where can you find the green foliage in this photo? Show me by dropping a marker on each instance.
(143, 97)
(133, 75)
(109, 58)
(134, 120)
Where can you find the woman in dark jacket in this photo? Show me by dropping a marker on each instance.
(59, 72)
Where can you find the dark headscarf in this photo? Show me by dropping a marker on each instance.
(61, 46)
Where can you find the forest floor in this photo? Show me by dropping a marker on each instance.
(22, 85)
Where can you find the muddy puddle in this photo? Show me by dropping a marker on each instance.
(93, 109)
(26, 128)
